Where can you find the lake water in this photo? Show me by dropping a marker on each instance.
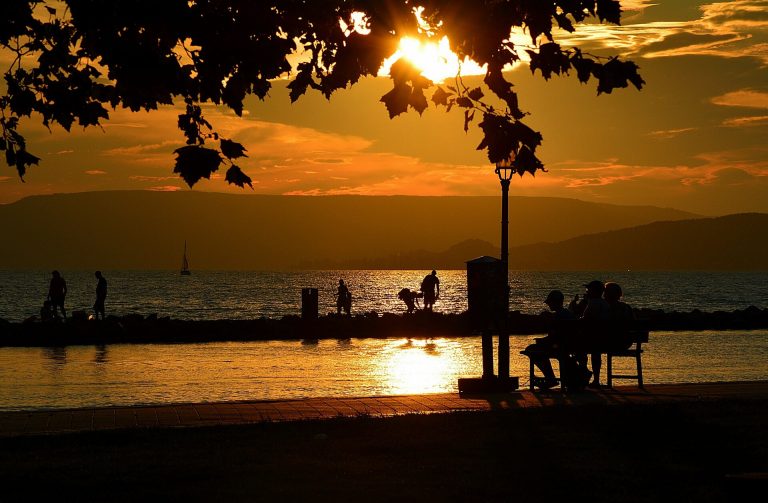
(78, 376)
(248, 295)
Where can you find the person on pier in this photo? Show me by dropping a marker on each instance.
(430, 287)
(57, 292)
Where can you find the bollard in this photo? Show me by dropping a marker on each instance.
(309, 303)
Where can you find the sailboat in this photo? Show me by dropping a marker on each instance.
(185, 263)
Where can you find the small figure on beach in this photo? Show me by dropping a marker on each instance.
(430, 287)
(343, 299)
(548, 347)
(57, 291)
(410, 298)
(101, 295)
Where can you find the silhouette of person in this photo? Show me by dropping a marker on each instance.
(595, 308)
(618, 310)
(409, 297)
(343, 299)
(430, 287)
(548, 347)
(101, 295)
(57, 291)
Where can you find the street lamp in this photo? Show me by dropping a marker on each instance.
(504, 171)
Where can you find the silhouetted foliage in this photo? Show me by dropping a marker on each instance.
(73, 63)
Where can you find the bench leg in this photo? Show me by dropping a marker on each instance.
(531, 374)
(639, 358)
(609, 365)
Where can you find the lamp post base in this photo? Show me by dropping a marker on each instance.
(491, 384)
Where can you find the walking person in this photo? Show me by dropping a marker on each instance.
(430, 287)
(57, 292)
(101, 295)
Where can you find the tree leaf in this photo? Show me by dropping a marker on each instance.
(231, 149)
(236, 176)
(194, 162)
(23, 160)
(464, 102)
(468, 116)
(440, 97)
(397, 99)
(475, 94)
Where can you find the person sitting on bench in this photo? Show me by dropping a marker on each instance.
(549, 347)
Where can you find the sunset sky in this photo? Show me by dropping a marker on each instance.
(694, 138)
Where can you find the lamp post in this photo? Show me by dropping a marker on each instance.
(504, 171)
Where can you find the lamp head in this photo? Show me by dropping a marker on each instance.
(504, 168)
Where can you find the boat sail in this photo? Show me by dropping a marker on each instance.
(185, 263)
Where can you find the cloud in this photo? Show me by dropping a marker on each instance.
(724, 29)
(143, 178)
(747, 98)
(95, 172)
(759, 120)
(670, 133)
(165, 188)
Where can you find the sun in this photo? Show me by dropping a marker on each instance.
(435, 59)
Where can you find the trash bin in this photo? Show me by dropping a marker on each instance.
(486, 292)
(309, 303)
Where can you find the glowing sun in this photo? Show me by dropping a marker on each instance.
(435, 59)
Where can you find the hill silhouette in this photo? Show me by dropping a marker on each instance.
(146, 230)
(730, 243)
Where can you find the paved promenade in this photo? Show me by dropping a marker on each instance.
(208, 414)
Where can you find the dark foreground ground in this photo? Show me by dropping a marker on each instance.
(650, 452)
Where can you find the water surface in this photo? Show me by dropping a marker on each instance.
(78, 376)
(249, 295)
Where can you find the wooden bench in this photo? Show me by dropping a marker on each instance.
(613, 339)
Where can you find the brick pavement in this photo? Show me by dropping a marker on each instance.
(223, 413)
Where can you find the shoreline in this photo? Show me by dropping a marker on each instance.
(138, 329)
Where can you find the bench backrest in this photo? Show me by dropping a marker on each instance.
(600, 335)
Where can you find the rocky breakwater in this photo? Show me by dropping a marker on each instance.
(136, 328)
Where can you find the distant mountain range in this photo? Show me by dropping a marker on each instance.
(730, 243)
(147, 230)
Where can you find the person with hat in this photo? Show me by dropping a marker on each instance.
(548, 347)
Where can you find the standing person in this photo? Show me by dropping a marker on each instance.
(57, 291)
(431, 289)
(343, 298)
(101, 295)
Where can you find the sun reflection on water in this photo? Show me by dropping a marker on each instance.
(415, 366)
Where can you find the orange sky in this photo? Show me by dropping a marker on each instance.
(693, 139)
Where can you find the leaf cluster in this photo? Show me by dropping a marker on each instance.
(76, 59)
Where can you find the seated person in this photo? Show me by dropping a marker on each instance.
(548, 347)
(595, 308)
(618, 311)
